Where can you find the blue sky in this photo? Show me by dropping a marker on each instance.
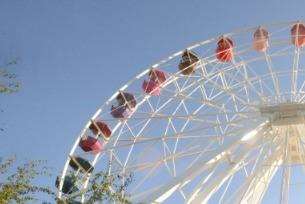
(75, 54)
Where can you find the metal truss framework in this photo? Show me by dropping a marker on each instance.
(226, 125)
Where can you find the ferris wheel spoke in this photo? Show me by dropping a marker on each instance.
(246, 79)
(203, 195)
(208, 101)
(265, 164)
(275, 79)
(180, 95)
(243, 63)
(286, 168)
(132, 146)
(164, 191)
(233, 122)
(260, 92)
(184, 135)
(196, 135)
(135, 138)
(226, 189)
(294, 77)
(221, 108)
(167, 148)
(201, 183)
(139, 133)
(150, 105)
(188, 152)
(228, 91)
(209, 80)
(204, 190)
(152, 168)
(256, 184)
(285, 185)
(193, 116)
(117, 160)
(233, 94)
(182, 128)
(177, 138)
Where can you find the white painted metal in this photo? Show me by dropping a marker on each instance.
(247, 115)
(162, 192)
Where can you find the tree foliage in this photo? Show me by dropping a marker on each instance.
(8, 82)
(103, 188)
(17, 181)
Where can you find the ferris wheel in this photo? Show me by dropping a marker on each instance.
(222, 121)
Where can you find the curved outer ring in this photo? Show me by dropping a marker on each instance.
(124, 87)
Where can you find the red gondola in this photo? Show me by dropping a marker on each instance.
(157, 76)
(90, 144)
(260, 40)
(187, 64)
(98, 127)
(298, 34)
(224, 50)
(152, 86)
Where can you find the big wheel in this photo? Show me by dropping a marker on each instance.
(221, 121)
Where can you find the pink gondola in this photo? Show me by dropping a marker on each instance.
(152, 86)
(224, 50)
(90, 144)
(260, 40)
(99, 127)
(298, 34)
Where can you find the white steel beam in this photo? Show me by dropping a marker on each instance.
(162, 192)
(203, 196)
(294, 76)
(216, 183)
(255, 186)
(259, 186)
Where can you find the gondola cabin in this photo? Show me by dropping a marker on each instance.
(121, 112)
(90, 144)
(126, 104)
(157, 75)
(224, 50)
(152, 86)
(80, 164)
(99, 127)
(260, 40)
(69, 184)
(188, 62)
(128, 99)
(298, 34)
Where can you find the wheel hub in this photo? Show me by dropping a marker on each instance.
(288, 119)
(284, 114)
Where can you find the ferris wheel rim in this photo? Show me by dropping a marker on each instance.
(124, 87)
